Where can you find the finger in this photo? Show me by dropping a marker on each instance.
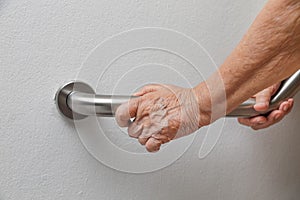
(142, 140)
(277, 115)
(146, 134)
(244, 121)
(259, 123)
(263, 99)
(153, 145)
(254, 121)
(142, 114)
(259, 120)
(126, 111)
(147, 89)
(135, 129)
(163, 137)
(287, 106)
(274, 117)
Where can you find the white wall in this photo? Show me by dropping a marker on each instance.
(44, 43)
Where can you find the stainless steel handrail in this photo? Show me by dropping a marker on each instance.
(77, 100)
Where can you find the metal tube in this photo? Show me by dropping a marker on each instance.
(77, 100)
(91, 104)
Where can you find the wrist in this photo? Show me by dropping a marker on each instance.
(201, 92)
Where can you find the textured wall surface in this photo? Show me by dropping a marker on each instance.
(42, 45)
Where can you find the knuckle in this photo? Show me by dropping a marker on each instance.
(153, 145)
(142, 140)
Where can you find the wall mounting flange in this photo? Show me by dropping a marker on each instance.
(63, 93)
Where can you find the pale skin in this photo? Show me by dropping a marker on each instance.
(268, 53)
(262, 104)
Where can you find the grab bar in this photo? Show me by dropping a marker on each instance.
(77, 100)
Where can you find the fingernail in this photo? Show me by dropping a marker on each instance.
(285, 108)
(277, 117)
(260, 122)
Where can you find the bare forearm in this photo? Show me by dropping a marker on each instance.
(267, 54)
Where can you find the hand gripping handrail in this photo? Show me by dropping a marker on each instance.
(77, 100)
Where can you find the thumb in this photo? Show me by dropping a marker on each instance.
(263, 99)
(126, 111)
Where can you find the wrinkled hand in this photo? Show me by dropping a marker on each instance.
(262, 104)
(161, 113)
